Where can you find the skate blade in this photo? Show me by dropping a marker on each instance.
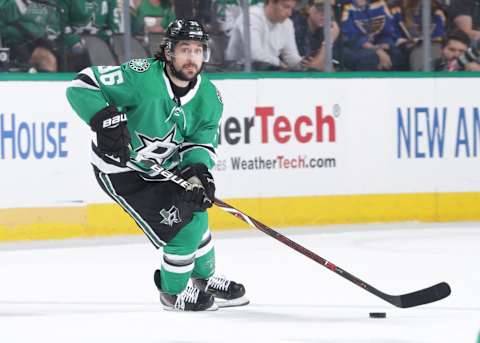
(222, 303)
(214, 307)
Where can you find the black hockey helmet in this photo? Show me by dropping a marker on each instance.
(179, 30)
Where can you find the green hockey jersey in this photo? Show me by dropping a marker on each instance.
(25, 22)
(103, 19)
(168, 130)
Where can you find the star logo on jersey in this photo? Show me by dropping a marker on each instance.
(171, 216)
(158, 149)
(139, 65)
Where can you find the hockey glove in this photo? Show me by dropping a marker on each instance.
(113, 138)
(198, 175)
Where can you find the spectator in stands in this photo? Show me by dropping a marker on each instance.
(8, 10)
(88, 17)
(466, 16)
(45, 34)
(103, 19)
(29, 30)
(273, 45)
(57, 26)
(409, 15)
(152, 16)
(79, 17)
(309, 33)
(371, 37)
(455, 45)
(456, 54)
(227, 12)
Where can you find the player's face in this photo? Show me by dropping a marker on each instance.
(188, 59)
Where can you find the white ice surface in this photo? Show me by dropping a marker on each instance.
(102, 290)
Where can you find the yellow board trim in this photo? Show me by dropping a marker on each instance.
(109, 219)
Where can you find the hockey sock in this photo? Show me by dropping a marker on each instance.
(204, 258)
(179, 254)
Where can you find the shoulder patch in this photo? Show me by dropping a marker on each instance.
(139, 65)
(219, 96)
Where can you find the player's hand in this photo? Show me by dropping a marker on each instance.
(113, 138)
(198, 174)
(195, 196)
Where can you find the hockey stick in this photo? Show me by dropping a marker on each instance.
(423, 296)
(420, 297)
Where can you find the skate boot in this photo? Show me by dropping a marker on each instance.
(226, 292)
(191, 299)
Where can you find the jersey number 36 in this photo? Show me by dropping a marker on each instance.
(110, 75)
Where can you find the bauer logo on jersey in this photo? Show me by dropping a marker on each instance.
(171, 216)
(139, 65)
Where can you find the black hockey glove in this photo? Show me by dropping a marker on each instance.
(195, 197)
(198, 175)
(113, 138)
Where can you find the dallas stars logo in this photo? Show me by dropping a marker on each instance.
(171, 216)
(158, 149)
(139, 65)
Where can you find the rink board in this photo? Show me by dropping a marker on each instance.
(109, 219)
(293, 151)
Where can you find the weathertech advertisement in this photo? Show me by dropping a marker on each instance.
(309, 137)
(277, 138)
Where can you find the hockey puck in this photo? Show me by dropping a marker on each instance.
(377, 315)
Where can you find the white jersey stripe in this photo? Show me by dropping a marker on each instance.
(106, 167)
(174, 269)
(204, 250)
(80, 84)
(89, 72)
(179, 258)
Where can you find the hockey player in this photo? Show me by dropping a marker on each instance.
(168, 113)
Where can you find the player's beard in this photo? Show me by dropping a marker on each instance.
(180, 74)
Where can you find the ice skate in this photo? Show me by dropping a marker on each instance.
(191, 299)
(227, 293)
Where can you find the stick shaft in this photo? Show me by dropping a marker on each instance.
(292, 244)
(423, 296)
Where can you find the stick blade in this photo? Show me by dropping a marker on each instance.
(425, 296)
